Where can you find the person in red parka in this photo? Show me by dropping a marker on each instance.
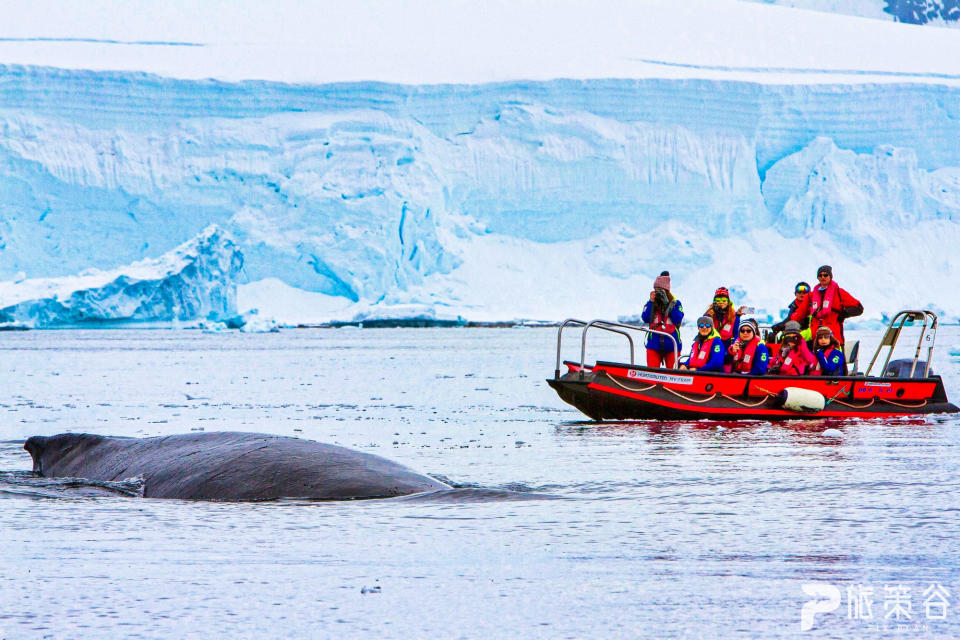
(827, 305)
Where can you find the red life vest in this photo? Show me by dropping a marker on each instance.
(725, 330)
(661, 321)
(823, 302)
(700, 351)
(795, 364)
(743, 360)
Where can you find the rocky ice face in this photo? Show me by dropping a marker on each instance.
(500, 201)
(197, 280)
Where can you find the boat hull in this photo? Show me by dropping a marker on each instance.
(615, 391)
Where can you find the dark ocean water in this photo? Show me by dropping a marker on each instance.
(696, 529)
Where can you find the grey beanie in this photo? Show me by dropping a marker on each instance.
(792, 326)
(704, 319)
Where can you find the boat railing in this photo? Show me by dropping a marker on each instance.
(613, 327)
(928, 336)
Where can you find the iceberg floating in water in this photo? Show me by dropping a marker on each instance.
(195, 280)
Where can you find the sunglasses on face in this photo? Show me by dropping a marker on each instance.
(790, 339)
(746, 330)
(704, 326)
(823, 275)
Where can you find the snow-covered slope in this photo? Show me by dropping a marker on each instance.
(745, 160)
(196, 280)
(466, 42)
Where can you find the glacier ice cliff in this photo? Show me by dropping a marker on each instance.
(494, 201)
(863, 198)
(932, 12)
(196, 280)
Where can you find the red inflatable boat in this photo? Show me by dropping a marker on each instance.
(622, 391)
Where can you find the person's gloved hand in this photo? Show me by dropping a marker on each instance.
(852, 311)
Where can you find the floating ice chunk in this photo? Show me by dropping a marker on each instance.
(256, 323)
(195, 280)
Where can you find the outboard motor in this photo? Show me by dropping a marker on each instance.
(901, 369)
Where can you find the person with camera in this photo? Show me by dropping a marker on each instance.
(749, 354)
(663, 313)
(794, 357)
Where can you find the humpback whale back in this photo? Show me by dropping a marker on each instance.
(227, 466)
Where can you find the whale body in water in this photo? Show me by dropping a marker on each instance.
(227, 466)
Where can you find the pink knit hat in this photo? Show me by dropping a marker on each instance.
(662, 281)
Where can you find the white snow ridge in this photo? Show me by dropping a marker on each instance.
(196, 280)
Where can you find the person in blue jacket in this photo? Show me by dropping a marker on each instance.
(830, 360)
(707, 351)
(664, 313)
(749, 353)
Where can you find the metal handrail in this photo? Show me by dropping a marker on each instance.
(606, 324)
(583, 323)
(613, 327)
(892, 335)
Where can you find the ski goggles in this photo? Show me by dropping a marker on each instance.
(802, 289)
(721, 299)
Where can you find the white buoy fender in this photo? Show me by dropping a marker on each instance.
(801, 400)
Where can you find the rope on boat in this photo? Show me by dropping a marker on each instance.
(627, 387)
(755, 404)
(835, 398)
(688, 398)
(853, 406)
(746, 404)
(680, 395)
(923, 403)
